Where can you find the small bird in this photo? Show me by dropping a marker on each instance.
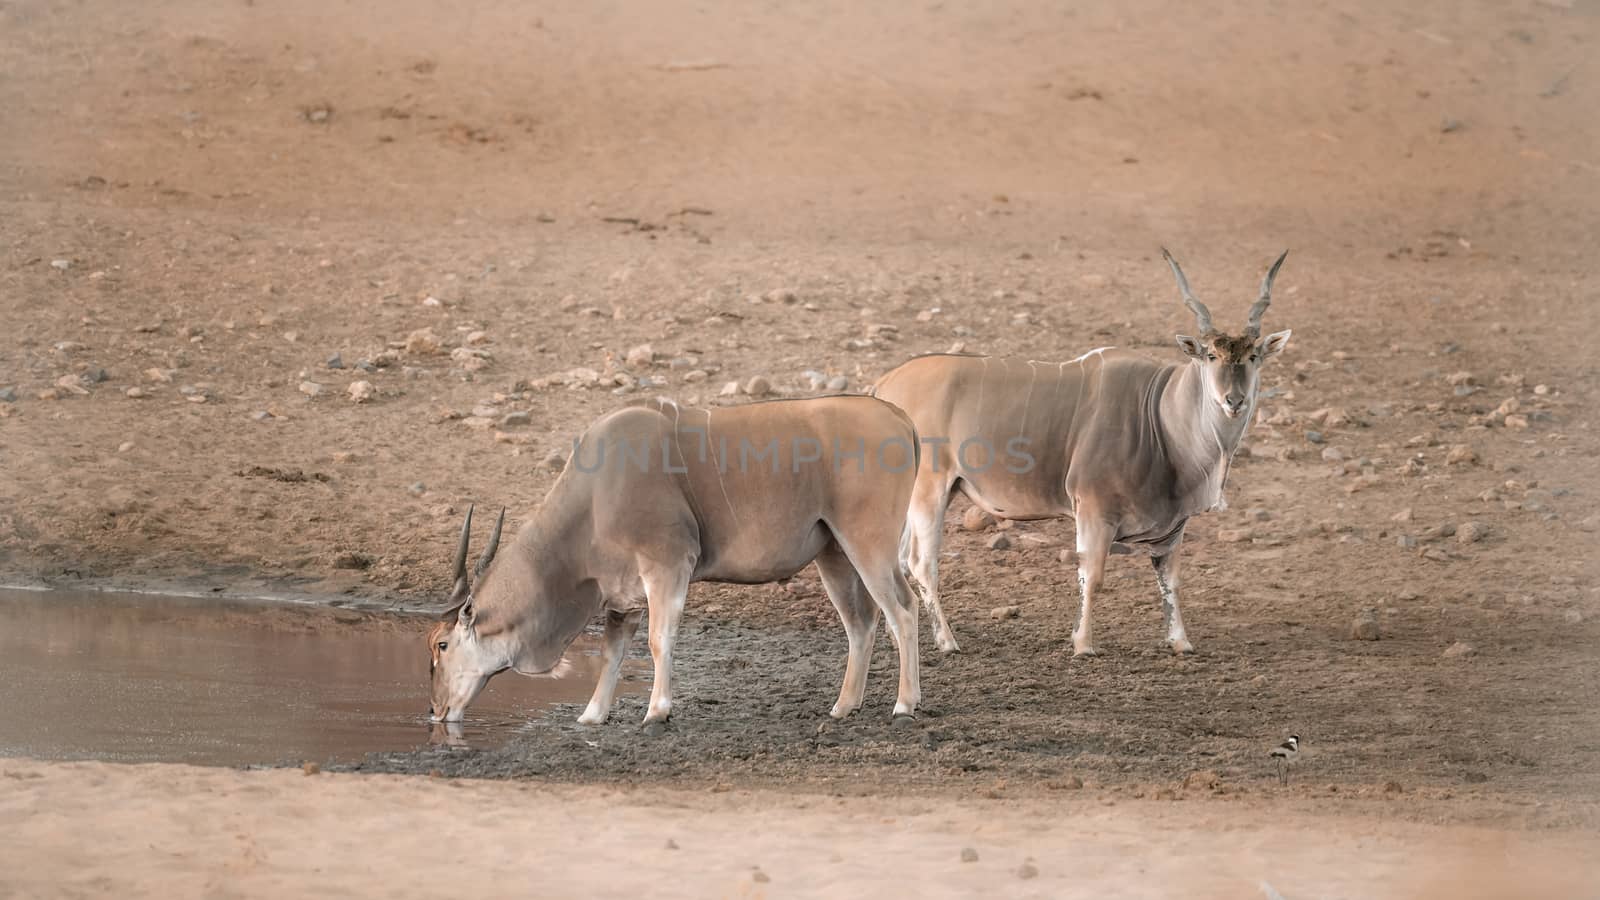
(1285, 753)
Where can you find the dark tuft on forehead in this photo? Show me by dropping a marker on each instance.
(1233, 350)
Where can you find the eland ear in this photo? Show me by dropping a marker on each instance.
(464, 617)
(1191, 347)
(1275, 343)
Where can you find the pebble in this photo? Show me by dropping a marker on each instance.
(477, 337)
(969, 855)
(1332, 454)
(1457, 650)
(838, 383)
(137, 393)
(758, 386)
(1314, 437)
(335, 362)
(731, 389)
(1518, 422)
(695, 376)
(1027, 870)
(640, 356)
(1392, 787)
(1206, 778)
(478, 422)
(1005, 612)
(782, 295)
(1471, 532)
(417, 488)
(261, 415)
(1459, 378)
(1365, 626)
(311, 388)
(1403, 515)
(422, 342)
(96, 375)
(1461, 455)
(362, 391)
(61, 264)
(8, 395)
(1234, 535)
(998, 542)
(555, 460)
(976, 519)
(1542, 390)
(516, 419)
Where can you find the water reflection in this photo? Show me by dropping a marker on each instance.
(145, 678)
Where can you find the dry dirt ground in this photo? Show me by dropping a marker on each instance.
(201, 203)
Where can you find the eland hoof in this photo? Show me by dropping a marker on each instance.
(1085, 651)
(1181, 646)
(840, 711)
(947, 643)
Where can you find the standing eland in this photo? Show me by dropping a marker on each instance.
(1128, 447)
(656, 497)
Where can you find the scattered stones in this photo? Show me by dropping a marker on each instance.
(969, 855)
(311, 389)
(1365, 626)
(1001, 613)
(976, 519)
(640, 356)
(335, 362)
(758, 386)
(362, 391)
(998, 542)
(1471, 532)
(1205, 779)
(422, 342)
(1458, 650)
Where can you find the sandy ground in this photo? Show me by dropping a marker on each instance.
(201, 203)
(91, 830)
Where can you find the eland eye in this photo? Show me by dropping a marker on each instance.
(443, 646)
(1211, 357)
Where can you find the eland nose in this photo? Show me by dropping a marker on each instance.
(1235, 404)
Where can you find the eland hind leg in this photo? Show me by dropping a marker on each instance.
(924, 535)
(860, 616)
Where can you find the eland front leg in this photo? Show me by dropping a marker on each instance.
(665, 589)
(620, 629)
(1094, 543)
(1167, 580)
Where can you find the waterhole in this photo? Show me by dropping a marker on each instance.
(148, 678)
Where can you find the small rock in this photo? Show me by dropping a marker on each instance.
(1403, 515)
(838, 383)
(1461, 455)
(72, 384)
(1516, 422)
(478, 422)
(136, 393)
(477, 337)
(61, 264)
(695, 376)
(1542, 390)
(1314, 437)
(1027, 870)
(998, 542)
(262, 415)
(1332, 454)
(1456, 379)
(758, 386)
(125, 446)
(335, 362)
(1392, 787)
(1205, 779)
(422, 342)
(417, 489)
(1405, 542)
(1471, 532)
(671, 844)
(310, 768)
(976, 519)
(641, 356)
(1458, 649)
(8, 395)
(311, 389)
(555, 460)
(1234, 535)
(1365, 627)
(1001, 613)
(158, 376)
(731, 389)
(969, 855)
(782, 295)
(516, 419)
(760, 877)
(1439, 532)
(362, 391)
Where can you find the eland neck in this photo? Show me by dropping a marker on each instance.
(538, 595)
(1200, 438)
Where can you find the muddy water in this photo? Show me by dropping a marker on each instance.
(141, 678)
